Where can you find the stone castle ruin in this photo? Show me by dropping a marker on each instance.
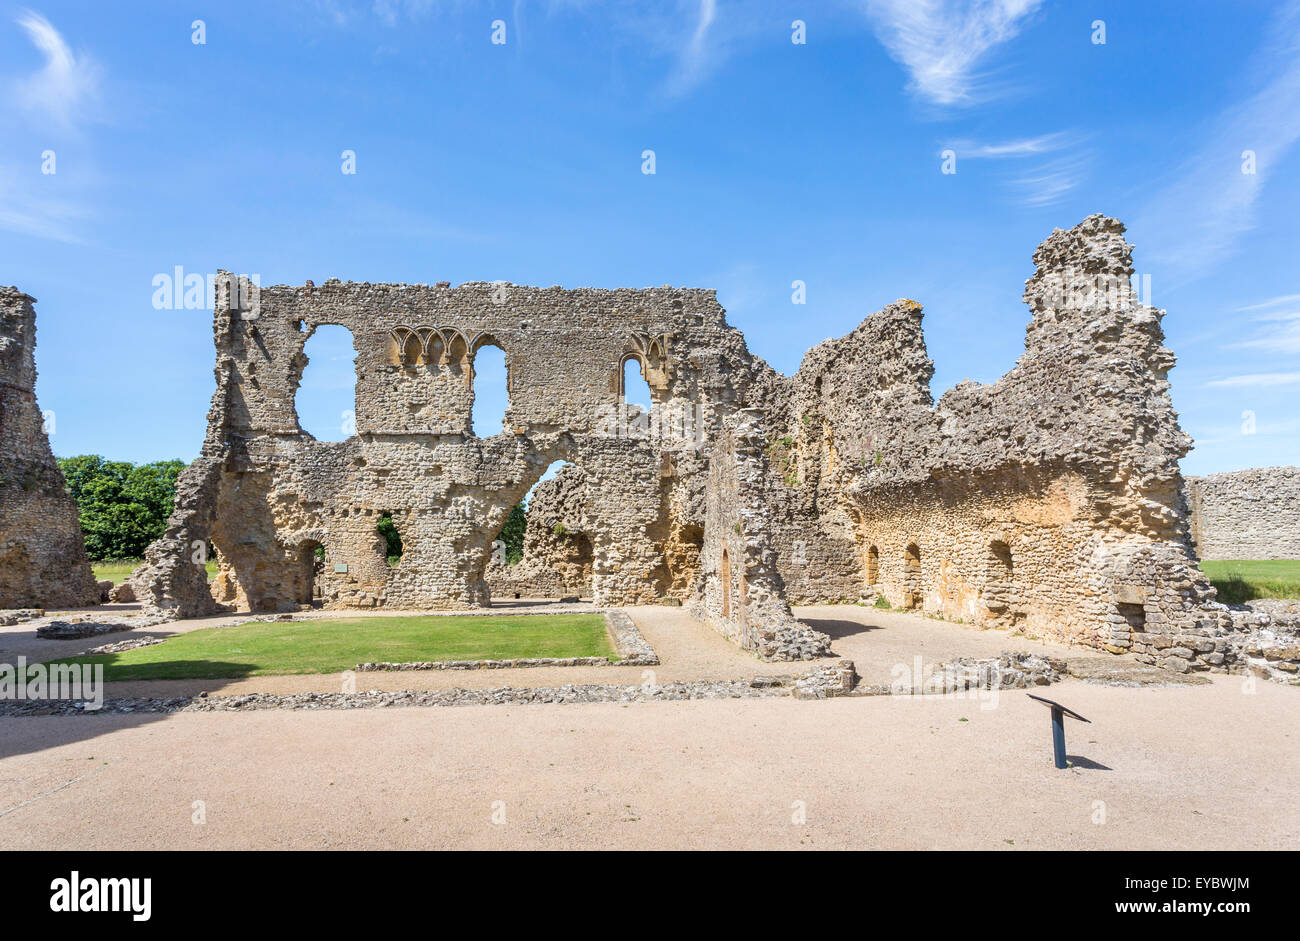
(1049, 501)
(42, 554)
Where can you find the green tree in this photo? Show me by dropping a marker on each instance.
(388, 529)
(122, 506)
(512, 533)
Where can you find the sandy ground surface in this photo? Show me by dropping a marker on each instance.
(1208, 766)
(1215, 765)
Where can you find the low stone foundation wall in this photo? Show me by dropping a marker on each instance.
(825, 682)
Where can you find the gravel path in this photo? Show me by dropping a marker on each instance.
(1191, 767)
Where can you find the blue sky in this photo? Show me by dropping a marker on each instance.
(775, 162)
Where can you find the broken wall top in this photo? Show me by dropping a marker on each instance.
(1089, 392)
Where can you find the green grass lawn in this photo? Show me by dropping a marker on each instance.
(1248, 579)
(334, 645)
(117, 570)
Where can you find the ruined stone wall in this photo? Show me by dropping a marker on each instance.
(268, 495)
(42, 555)
(743, 593)
(1049, 500)
(1249, 514)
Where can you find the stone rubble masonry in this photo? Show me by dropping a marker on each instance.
(823, 682)
(42, 554)
(1249, 514)
(744, 593)
(1049, 502)
(268, 495)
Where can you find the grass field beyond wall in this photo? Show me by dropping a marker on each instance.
(117, 570)
(332, 645)
(1249, 579)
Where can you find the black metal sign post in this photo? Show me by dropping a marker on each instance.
(1059, 713)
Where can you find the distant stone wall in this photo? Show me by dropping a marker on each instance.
(1249, 514)
(42, 556)
(557, 551)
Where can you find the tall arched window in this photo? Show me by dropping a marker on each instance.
(326, 399)
(636, 391)
(491, 391)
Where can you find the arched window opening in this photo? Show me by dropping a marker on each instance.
(912, 576)
(873, 565)
(636, 391)
(392, 539)
(1001, 553)
(491, 391)
(326, 399)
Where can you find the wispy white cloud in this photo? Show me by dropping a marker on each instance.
(1048, 185)
(1194, 223)
(943, 43)
(38, 210)
(63, 88)
(1273, 302)
(1043, 184)
(1025, 147)
(1282, 336)
(1275, 325)
(392, 11)
(1259, 379)
(699, 55)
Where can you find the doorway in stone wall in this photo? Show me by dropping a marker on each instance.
(912, 576)
(311, 562)
(871, 568)
(998, 592)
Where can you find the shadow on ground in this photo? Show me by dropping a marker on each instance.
(81, 726)
(1078, 761)
(836, 628)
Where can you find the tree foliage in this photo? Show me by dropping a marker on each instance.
(122, 506)
(512, 533)
(388, 529)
